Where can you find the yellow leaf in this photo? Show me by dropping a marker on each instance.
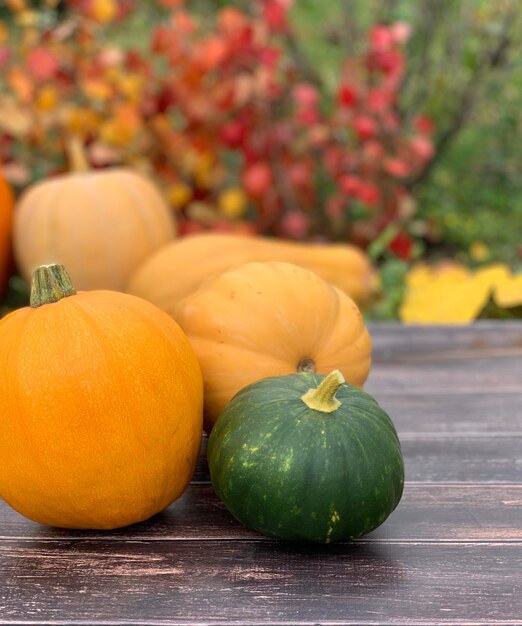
(80, 121)
(96, 89)
(47, 98)
(179, 194)
(4, 33)
(445, 271)
(419, 275)
(492, 274)
(21, 84)
(122, 128)
(508, 293)
(450, 293)
(104, 10)
(232, 203)
(27, 18)
(131, 86)
(479, 252)
(445, 303)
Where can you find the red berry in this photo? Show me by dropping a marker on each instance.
(402, 246)
(257, 179)
(347, 96)
(365, 127)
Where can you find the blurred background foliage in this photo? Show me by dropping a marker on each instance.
(464, 70)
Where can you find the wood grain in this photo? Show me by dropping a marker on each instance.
(447, 376)
(427, 513)
(245, 582)
(453, 413)
(393, 341)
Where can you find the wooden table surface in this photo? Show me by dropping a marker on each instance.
(451, 553)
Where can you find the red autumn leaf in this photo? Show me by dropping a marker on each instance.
(5, 55)
(333, 156)
(397, 168)
(136, 62)
(184, 23)
(350, 185)
(391, 121)
(21, 84)
(295, 224)
(422, 148)
(275, 14)
(161, 39)
(390, 62)
(300, 174)
(305, 95)
(269, 56)
(257, 179)
(335, 207)
(373, 151)
(42, 64)
(347, 96)
(365, 127)
(381, 38)
(379, 99)
(212, 52)
(308, 117)
(402, 246)
(423, 124)
(231, 21)
(233, 133)
(369, 194)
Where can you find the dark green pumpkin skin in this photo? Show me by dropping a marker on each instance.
(295, 473)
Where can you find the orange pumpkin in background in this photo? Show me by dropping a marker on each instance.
(100, 407)
(271, 319)
(100, 224)
(180, 267)
(6, 224)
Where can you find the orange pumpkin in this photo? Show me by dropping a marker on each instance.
(100, 407)
(100, 224)
(271, 319)
(6, 219)
(179, 268)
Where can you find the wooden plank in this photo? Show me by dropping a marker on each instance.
(453, 413)
(440, 512)
(392, 340)
(481, 358)
(246, 582)
(447, 376)
(464, 459)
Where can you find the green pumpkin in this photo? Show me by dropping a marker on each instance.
(306, 457)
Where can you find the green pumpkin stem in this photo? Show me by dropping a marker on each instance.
(323, 397)
(50, 283)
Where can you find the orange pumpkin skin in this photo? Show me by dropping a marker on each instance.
(271, 319)
(100, 224)
(100, 411)
(6, 219)
(179, 268)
